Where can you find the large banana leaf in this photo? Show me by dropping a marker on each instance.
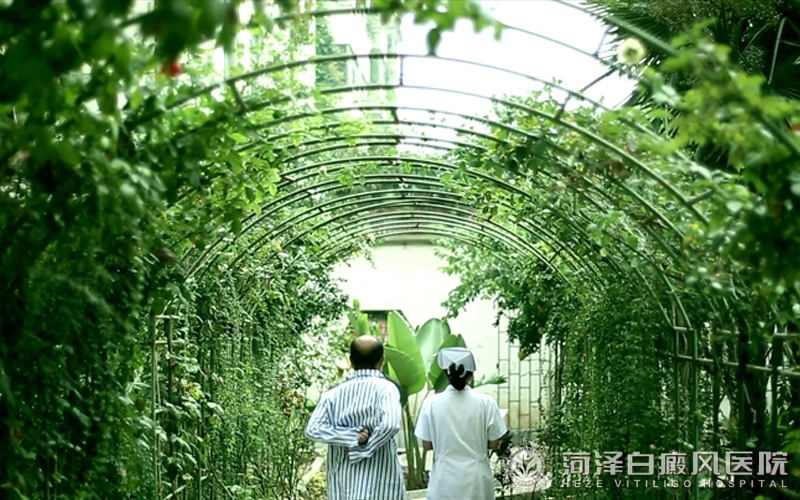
(436, 376)
(403, 370)
(430, 337)
(410, 373)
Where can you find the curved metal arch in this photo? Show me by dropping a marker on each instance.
(377, 140)
(305, 193)
(357, 201)
(591, 136)
(303, 154)
(645, 282)
(463, 220)
(426, 221)
(336, 124)
(555, 119)
(389, 143)
(625, 244)
(419, 161)
(521, 30)
(454, 224)
(605, 193)
(316, 60)
(689, 207)
(294, 157)
(530, 226)
(570, 222)
(360, 231)
(647, 231)
(346, 247)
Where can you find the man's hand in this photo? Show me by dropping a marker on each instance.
(363, 436)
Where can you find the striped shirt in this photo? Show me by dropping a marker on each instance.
(355, 472)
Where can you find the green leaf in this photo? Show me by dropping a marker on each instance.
(434, 38)
(401, 338)
(495, 379)
(235, 161)
(734, 206)
(429, 337)
(238, 137)
(136, 98)
(404, 370)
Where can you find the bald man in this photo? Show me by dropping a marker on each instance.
(358, 420)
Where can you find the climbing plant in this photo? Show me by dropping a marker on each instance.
(616, 381)
(124, 368)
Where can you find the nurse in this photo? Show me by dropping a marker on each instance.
(460, 426)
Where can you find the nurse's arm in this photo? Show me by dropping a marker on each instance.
(427, 445)
(493, 445)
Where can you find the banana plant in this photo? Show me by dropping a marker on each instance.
(411, 361)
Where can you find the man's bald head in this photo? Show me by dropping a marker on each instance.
(366, 352)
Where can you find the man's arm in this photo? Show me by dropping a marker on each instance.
(387, 428)
(322, 430)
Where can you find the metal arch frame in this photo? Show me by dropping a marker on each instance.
(530, 227)
(570, 221)
(366, 227)
(554, 119)
(646, 282)
(557, 241)
(345, 246)
(268, 211)
(551, 118)
(649, 207)
(452, 222)
(600, 190)
(603, 193)
(357, 200)
(594, 138)
(464, 217)
(646, 205)
(590, 199)
(392, 142)
(571, 93)
(303, 154)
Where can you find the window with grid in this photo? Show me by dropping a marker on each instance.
(381, 320)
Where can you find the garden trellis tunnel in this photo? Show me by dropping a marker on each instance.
(587, 211)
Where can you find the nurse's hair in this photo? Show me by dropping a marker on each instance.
(458, 376)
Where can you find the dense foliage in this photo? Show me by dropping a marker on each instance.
(167, 239)
(144, 337)
(643, 253)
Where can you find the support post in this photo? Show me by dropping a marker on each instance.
(777, 362)
(154, 404)
(695, 386)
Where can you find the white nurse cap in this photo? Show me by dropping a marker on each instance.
(458, 356)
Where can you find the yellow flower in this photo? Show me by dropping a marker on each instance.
(631, 52)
